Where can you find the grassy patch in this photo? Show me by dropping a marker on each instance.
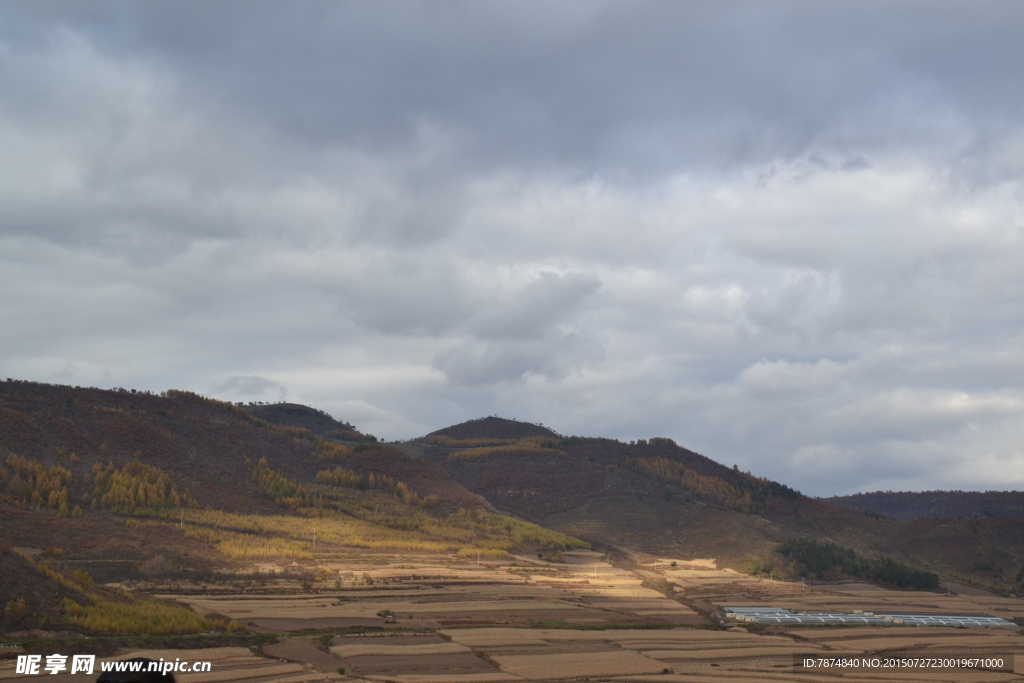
(136, 617)
(529, 447)
(388, 524)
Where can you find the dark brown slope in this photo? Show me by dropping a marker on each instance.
(493, 428)
(297, 415)
(573, 470)
(906, 505)
(422, 476)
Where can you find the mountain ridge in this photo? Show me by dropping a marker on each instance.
(649, 495)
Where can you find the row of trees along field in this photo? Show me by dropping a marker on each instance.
(831, 561)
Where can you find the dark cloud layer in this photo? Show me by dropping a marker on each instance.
(786, 235)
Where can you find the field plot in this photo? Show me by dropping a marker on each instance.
(422, 657)
(572, 665)
(437, 591)
(601, 585)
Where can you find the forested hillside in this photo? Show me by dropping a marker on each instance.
(220, 482)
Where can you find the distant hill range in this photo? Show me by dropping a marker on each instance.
(648, 495)
(905, 505)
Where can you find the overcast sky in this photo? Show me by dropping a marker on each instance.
(788, 235)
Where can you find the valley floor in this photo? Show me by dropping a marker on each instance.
(440, 619)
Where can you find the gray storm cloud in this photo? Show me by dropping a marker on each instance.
(788, 236)
(528, 331)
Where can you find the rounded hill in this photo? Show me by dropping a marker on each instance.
(297, 415)
(494, 428)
